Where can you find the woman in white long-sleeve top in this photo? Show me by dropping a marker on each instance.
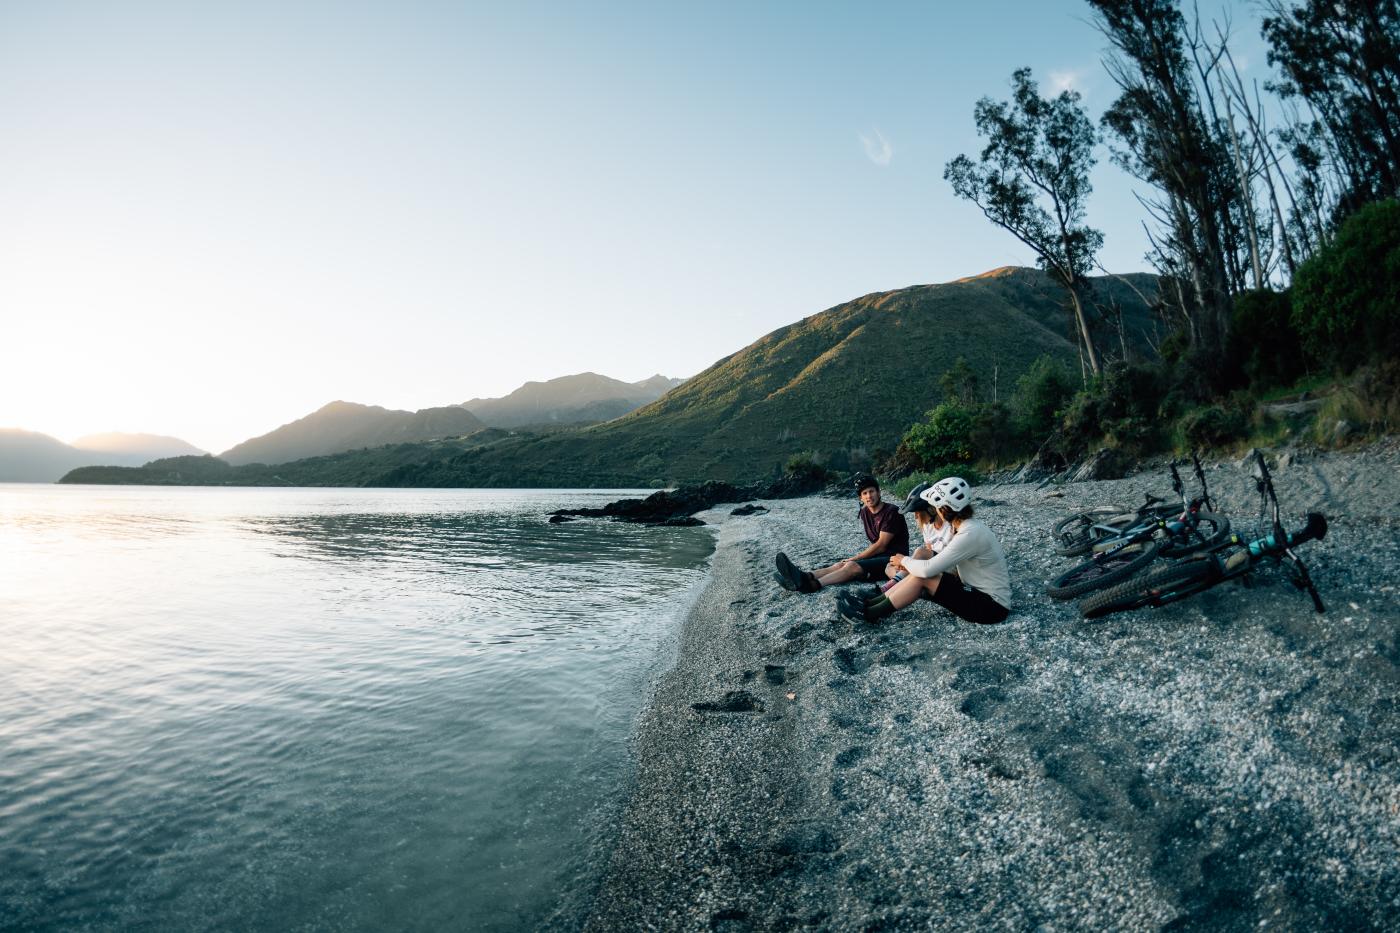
(968, 577)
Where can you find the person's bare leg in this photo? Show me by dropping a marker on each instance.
(906, 591)
(839, 573)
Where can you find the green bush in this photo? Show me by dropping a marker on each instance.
(804, 466)
(1124, 408)
(994, 436)
(1213, 426)
(902, 487)
(945, 437)
(1346, 297)
(1264, 346)
(1040, 398)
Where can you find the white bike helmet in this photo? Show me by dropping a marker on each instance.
(954, 492)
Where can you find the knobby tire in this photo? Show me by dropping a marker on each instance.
(1162, 586)
(1096, 574)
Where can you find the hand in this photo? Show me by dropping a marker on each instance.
(897, 561)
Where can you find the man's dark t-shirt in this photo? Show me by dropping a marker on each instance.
(886, 518)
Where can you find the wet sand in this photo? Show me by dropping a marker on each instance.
(1228, 762)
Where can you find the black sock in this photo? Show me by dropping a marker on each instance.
(879, 609)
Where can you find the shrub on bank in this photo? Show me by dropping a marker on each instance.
(944, 437)
(898, 490)
(1264, 347)
(1346, 297)
(804, 466)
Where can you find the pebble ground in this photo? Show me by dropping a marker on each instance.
(1231, 762)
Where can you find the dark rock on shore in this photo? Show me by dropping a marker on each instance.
(750, 509)
(678, 506)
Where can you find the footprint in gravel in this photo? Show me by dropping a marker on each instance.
(983, 704)
(735, 701)
(775, 673)
(995, 766)
(730, 920)
(748, 676)
(808, 840)
(850, 757)
(895, 659)
(976, 674)
(798, 630)
(843, 721)
(848, 663)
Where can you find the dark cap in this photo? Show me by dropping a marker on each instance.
(865, 481)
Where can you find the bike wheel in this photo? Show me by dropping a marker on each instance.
(1104, 570)
(1211, 531)
(1164, 585)
(1074, 534)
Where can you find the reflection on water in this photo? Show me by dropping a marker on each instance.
(317, 708)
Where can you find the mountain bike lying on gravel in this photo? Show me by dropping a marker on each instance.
(1232, 559)
(1076, 534)
(1121, 554)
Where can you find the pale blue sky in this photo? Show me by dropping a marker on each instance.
(217, 217)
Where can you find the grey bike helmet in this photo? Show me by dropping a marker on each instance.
(914, 502)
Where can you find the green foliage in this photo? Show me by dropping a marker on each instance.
(959, 383)
(1037, 150)
(1366, 405)
(1041, 396)
(1264, 346)
(945, 436)
(804, 466)
(1213, 426)
(1122, 408)
(994, 436)
(900, 488)
(1346, 298)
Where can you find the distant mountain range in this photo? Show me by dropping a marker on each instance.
(31, 457)
(584, 397)
(340, 426)
(840, 385)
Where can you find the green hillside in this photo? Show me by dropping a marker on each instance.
(841, 383)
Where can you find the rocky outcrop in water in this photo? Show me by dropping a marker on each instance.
(678, 506)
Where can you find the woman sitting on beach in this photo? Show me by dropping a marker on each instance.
(968, 577)
(935, 531)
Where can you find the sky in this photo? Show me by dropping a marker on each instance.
(217, 217)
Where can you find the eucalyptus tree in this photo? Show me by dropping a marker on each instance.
(1342, 59)
(1166, 139)
(1032, 180)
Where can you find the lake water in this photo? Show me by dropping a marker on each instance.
(319, 708)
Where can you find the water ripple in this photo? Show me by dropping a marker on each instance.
(315, 708)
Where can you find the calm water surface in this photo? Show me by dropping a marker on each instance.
(318, 709)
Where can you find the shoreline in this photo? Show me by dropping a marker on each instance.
(1229, 759)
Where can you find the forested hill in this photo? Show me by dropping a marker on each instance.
(840, 384)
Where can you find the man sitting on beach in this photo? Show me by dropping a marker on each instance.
(886, 530)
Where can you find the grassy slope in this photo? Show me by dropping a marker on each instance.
(855, 376)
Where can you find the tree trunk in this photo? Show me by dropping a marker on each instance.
(1083, 322)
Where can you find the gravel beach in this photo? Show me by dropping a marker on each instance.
(1229, 762)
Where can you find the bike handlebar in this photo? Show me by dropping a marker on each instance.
(1315, 529)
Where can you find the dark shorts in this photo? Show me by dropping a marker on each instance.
(967, 603)
(872, 569)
